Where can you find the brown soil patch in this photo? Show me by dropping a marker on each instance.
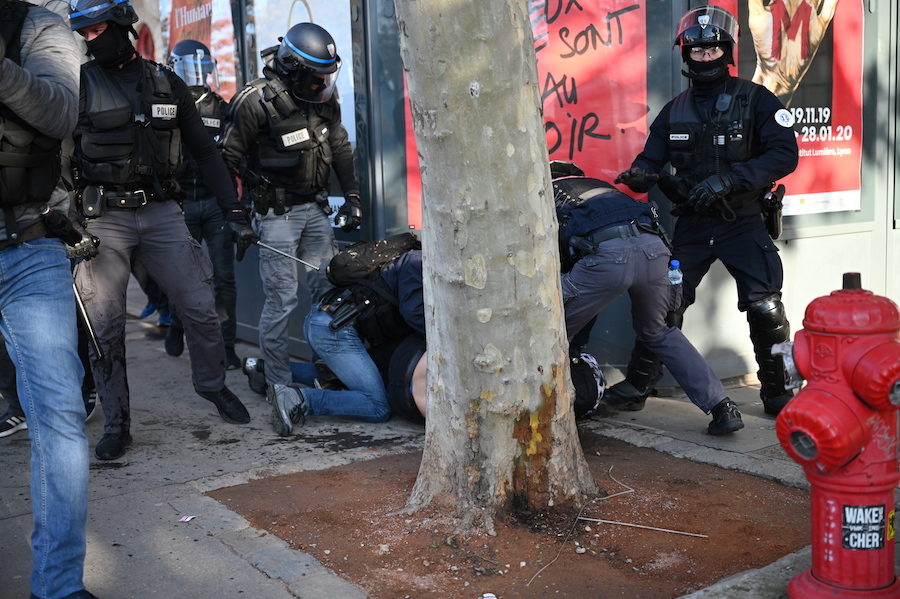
(341, 516)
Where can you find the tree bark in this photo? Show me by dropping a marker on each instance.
(500, 429)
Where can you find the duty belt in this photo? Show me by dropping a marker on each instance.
(619, 232)
(126, 199)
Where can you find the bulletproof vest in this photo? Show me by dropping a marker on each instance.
(131, 139)
(701, 147)
(293, 151)
(584, 205)
(29, 160)
(212, 109)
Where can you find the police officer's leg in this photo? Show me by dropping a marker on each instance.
(184, 272)
(317, 246)
(102, 283)
(751, 257)
(644, 368)
(279, 281)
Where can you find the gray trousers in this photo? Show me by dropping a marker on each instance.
(639, 266)
(158, 237)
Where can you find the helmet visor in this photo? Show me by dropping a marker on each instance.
(706, 25)
(90, 12)
(197, 69)
(311, 86)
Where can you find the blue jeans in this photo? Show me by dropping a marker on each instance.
(37, 319)
(304, 232)
(345, 354)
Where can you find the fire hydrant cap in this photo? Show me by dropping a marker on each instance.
(852, 311)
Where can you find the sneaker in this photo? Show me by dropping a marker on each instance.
(164, 321)
(149, 309)
(289, 407)
(227, 403)
(174, 342)
(774, 405)
(726, 418)
(232, 362)
(624, 396)
(112, 446)
(253, 368)
(90, 403)
(11, 423)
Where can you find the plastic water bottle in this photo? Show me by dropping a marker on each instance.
(675, 276)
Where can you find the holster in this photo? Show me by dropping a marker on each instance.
(772, 209)
(91, 201)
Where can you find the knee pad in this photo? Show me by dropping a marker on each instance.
(768, 323)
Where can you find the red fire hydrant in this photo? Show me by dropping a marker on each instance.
(842, 428)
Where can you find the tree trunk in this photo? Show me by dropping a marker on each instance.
(500, 429)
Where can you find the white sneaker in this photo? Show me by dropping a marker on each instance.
(11, 423)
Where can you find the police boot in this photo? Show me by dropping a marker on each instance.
(644, 370)
(725, 418)
(768, 326)
(228, 405)
(174, 342)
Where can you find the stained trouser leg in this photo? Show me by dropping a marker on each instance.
(768, 326)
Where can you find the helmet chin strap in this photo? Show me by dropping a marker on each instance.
(707, 72)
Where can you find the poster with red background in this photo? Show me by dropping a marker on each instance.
(592, 76)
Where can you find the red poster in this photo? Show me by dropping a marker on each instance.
(592, 71)
(208, 22)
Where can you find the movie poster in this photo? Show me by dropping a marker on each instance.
(790, 47)
(208, 22)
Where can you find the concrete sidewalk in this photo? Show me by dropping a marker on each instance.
(138, 547)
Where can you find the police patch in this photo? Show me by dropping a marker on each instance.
(211, 122)
(784, 117)
(164, 111)
(295, 137)
(679, 137)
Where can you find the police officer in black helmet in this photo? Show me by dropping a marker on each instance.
(284, 137)
(134, 116)
(193, 62)
(729, 140)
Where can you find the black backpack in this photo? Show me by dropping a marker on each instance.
(361, 296)
(589, 383)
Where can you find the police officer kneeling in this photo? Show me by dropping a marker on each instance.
(611, 245)
(134, 114)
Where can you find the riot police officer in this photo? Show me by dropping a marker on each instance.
(134, 116)
(203, 215)
(611, 244)
(284, 137)
(729, 140)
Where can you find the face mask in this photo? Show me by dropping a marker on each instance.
(712, 71)
(112, 47)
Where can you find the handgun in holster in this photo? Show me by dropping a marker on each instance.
(772, 208)
(259, 191)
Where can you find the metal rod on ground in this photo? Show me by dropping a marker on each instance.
(285, 254)
(675, 532)
(86, 322)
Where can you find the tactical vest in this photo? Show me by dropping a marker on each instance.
(29, 160)
(212, 109)
(294, 151)
(700, 148)
(584, 205)
(127, 146)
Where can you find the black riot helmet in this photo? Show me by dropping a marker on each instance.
(564, 168)
(307, 62)
(193, 62)
(83, 13)
(706, 26)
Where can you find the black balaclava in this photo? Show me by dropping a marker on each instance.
(708, 74)
(112, 48)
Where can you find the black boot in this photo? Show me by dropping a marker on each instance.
(112, 446)
(644, 370)
(174, 342)
(726, 418)
(229, 406)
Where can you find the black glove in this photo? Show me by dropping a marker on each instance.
(241, 232)
(349, 216)
(637, 179)
(709, 191)
(87, 247)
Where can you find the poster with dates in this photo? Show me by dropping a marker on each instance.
(809, 54)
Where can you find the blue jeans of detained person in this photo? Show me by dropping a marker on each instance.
(303, 232)
(37, 319)
(345, 354)
(638, 265)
